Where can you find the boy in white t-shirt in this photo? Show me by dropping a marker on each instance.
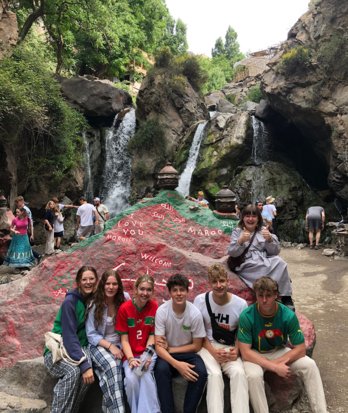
(179, 333)
(86, 219)
(222, 356)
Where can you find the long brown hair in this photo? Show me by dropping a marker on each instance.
(99, 298)
(251, 210)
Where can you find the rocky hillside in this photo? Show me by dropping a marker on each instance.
(307, 85)
(293, 144)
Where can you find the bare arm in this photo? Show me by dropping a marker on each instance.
(194, 347)
(112, 348)
(127, 350)
(280, 366)
(294, 354)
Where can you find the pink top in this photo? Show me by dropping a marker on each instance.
(21, 225)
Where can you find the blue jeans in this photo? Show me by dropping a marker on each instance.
(164, 373)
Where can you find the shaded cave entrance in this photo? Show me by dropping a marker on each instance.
(305, 147)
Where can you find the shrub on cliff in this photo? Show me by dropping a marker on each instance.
(254, 94)
(183, 65)
(148, 137)
(35, 119)
(296, 61)
(332, 56)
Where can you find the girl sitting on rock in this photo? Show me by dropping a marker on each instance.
(135, 323)
(105, 343)
(73, 380)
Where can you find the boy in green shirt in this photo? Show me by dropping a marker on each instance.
(264, 329)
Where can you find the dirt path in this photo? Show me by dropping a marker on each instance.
(320, 290)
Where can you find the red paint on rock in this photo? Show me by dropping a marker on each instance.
(156, 239)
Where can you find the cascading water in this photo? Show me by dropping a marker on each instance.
(259, 154)
(88, 184)
(261, 142)
(185, 177)
(117, 169)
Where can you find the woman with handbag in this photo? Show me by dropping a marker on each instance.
(73, 379)
(259, 249)
(136, 323)
(105, 343)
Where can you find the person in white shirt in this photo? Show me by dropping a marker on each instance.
(179, 333)
(103, 215)
(220, 348)
(86, 219)
(269, 213)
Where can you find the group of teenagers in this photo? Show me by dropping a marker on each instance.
(216, 334)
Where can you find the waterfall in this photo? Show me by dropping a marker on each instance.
(88, 184)
(117, 168)
(261, 142)
(185, 177)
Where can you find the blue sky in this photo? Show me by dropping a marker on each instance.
(258, 23)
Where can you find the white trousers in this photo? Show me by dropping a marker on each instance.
(49, 246)
(141, 391)
(215, 388)
(304, 367)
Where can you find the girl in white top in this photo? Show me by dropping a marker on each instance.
(104, 342)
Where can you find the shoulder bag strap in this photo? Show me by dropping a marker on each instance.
(101, 216)
(247, 248)
(211, 315)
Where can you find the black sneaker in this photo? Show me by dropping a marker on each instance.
(287, 301)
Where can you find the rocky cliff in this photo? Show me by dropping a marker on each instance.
(307, 85)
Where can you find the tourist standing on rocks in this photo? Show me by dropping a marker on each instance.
(104, 342)
(86, 219)
(269, 213)
(102, 213)
(20, 203)
(135, 323)
(49, 218)
(73, 380)
(264, 330)
(58, 225)
(179, 335)
(315, 222)
(19, 253)
(262, 256)
(220, 348)
(259, 204)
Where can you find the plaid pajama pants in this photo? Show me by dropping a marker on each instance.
(109, 372)
(70, 390)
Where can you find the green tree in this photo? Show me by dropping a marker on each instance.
(101, 37)
(232, 51)
(175, 37)
(35, 120)
(219, 48)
